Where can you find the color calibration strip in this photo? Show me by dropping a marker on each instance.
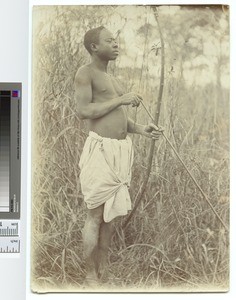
(10, 167)
(5, 113)
(10, 144)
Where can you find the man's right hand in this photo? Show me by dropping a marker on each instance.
(131, 98)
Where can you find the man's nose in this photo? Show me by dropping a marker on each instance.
(115, 44)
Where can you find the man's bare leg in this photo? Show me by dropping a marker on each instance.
(90, 240)
(105, 235)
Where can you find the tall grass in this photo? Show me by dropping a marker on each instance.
(174, 241)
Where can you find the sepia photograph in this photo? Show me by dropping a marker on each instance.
(130, 148)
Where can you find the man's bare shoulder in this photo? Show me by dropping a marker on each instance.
(83, 74)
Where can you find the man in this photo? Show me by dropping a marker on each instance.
(107, 155)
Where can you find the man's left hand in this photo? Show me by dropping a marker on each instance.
(153, 131)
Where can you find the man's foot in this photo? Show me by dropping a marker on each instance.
(90, 282)
(102, 272)
(91, 279)
(105, 275)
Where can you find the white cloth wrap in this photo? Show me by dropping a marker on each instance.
(105, 175)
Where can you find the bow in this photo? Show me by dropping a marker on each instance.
(151, 151)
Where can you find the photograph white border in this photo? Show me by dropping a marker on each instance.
(232, 292)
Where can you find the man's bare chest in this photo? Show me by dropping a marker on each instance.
(105, 86)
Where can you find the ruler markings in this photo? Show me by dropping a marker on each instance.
(9, 236)
(10, 245)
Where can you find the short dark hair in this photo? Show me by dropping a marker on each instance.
(92, 36)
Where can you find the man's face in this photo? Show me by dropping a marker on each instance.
(107, 48)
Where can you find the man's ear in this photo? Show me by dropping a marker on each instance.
(93, 47)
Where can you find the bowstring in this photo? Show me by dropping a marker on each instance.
(148, 12)
(135, 121)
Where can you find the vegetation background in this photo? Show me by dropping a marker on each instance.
(174, 241)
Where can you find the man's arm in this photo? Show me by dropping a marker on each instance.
(135, 127)
(150, 130)
(89, 110)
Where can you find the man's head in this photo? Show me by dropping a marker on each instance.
(92, 37)
(100, 41)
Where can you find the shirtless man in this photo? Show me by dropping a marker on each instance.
(101, 102)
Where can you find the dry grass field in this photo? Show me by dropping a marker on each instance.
(174, 241)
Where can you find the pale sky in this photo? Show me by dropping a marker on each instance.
(132, 49)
